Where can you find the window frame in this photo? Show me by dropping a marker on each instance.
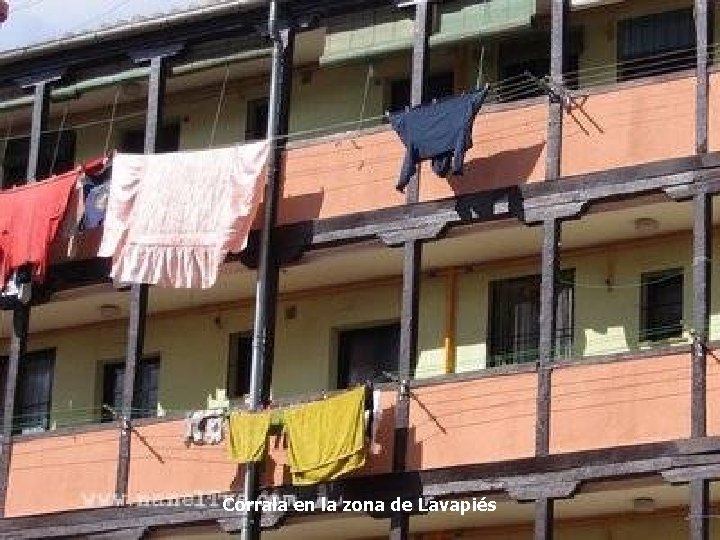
(106, 367)
(232, 382)
(564, 341)
(342, 361)
(17, 429)
(654, 277)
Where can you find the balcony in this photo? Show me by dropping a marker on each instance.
(474, 419)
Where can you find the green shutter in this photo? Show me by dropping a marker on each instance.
(388, 30)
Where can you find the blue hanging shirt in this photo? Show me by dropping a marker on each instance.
(439, 131)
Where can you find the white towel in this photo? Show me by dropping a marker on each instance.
(172, 218)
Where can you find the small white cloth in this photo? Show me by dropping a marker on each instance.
(205, 427)
(172, 218)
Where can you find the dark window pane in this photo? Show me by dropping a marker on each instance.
(33, 393)
(257, 119)
(367, 354)
(438, 87)
(145, 395)
(57, 155)
(656, 44)
(514, 320)
(661, 305)
(238, 378)
(133, 140)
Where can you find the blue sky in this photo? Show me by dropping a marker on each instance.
(34, 21)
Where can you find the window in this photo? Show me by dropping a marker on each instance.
(438, 87)
(531, 54)
(57, 155)
(145, 397)
(661, 305)
(515, 319)
(366, 353)
(239, 362)
(33, 391)
(133, 140)
(257, 119)
(656, 44)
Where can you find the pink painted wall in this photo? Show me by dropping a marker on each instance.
(620, 403)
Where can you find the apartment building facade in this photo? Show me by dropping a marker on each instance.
(539, 332)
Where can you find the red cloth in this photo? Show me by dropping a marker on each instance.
(29, 219)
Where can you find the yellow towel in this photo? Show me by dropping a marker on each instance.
(326, 438)
(248, 434)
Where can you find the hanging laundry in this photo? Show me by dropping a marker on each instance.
(204, 427)
(17, 291)
(30, 216)
(172, 218)
(96, 189)
(326, 438)
(247, 436)
(440, 131)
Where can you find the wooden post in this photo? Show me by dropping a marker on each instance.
(558, 55)
(544, 516)
(21, 315)
(703, 31)
(139, 293)
(412, 266)
(282, 33)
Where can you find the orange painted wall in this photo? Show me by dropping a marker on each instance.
(714, 113)
(485, 420)
(163, 466)
(509, 148)
(620, 403)
(359, 173)
(50, 474)
(713, 392)
(630, 126)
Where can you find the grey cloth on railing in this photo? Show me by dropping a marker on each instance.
(205, 427)
(440, 131)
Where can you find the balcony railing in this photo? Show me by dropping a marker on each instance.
(476, 418)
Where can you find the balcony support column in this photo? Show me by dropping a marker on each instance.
(412, 267)
(550, 267)
(282, 33)
(544, 516)
(139, 293)
(21, 315)
(703, 36)
(702, 253)
(558, 63)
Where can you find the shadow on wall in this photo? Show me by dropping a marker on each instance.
(503, 169)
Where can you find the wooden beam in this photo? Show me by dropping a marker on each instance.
(21, 314)
(703, 28)
(139, 293)
(544, 517)
(699, 516)
(550, 265)
(558, 64)
(412, 271)
(702, 253)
